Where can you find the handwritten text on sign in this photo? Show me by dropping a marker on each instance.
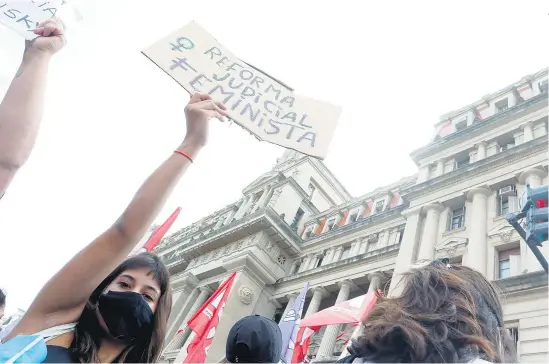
(24, 16)
(255, 101)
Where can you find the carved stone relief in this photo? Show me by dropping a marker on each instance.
(451, 247)
(246, 295)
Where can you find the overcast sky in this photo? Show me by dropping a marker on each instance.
(112, 116)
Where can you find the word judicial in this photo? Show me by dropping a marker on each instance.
(257, 102)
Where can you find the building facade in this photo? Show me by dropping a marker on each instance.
(297, 224)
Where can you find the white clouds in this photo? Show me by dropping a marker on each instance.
(112, 115)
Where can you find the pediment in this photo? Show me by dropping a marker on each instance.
(451, 247)
(503, 232)
(260, 180)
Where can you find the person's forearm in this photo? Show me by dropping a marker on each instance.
(21, 113)
(151, 196)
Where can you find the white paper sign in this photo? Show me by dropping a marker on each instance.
(23, 16)
(255, 101)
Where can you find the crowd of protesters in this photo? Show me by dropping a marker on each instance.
(105, 307)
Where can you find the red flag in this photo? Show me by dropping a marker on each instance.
(302, 342)
(346, 332)
(204, 322)
(161, 231)
(155, 236)
(347, 312)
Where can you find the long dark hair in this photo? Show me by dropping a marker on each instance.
(85, 346)
(445, 314)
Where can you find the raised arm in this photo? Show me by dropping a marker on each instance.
(62, 299)
(21, 109)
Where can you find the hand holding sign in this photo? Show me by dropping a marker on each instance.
(50, 40)
(200, 109)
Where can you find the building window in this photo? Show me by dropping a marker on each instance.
(462, 124)
(319, 261)
(308, 232)
(379, 206)
(297, 218)
(543, 86)
(507, 146)
(345, 253)
(519, 138)
(509, 263)
(502, 105)
(401, 233)
(507, 200)
(296, 268)
(330, 224)
(462, 162)
(372, 246)
(353, 216)
(514, 332)
(278, 316)
(457, 219)
(311, 190)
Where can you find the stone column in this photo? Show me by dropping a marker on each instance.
(533, 176)
(305, 264)
(189, 294)
(376, 280)
(312, 261)
(363, 247)
(477, 249)
(440, 168)
(180, 338)
(406, 254)
(528, 130)
(243, 208)
(291, 300)
(430, 232)
(354, 249)
(337, 254)
(423, 174)
(383, 239)
(263, 200)
(329, 256)
(327, 344)
(292, 268)
(481, 150)
(268, 193)
(318, 294)
(230, 217)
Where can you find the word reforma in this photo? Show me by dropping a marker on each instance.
(247, 92)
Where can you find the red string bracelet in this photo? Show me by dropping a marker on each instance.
(184, 155)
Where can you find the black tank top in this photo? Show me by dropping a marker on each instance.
(59, 354)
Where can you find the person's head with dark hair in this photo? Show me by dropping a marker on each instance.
(445, 313)
(130, 306)
(2, 303)
(254, 339)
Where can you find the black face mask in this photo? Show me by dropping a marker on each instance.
(127, 315)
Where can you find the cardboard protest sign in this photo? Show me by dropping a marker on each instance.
(255, 101)
(23, 16)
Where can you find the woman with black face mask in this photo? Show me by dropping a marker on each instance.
(119, 306)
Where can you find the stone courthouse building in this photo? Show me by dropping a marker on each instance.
(297, 223)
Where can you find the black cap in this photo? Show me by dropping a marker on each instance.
(254, 339)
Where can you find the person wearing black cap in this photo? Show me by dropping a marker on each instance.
(254, 339)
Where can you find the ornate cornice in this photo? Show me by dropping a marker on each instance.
(483, 166)
(458, 136)
(522, 282)
(525, 80)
